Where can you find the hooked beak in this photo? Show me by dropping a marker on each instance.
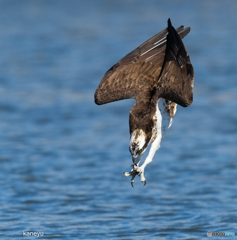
(136, 159)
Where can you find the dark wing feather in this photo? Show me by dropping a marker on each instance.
(136, 74)
(177, 77)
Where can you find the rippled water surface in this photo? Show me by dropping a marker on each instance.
(61, 156)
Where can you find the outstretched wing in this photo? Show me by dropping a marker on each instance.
(177, 77)
(137, 73)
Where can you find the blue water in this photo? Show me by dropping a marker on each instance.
(61, 156)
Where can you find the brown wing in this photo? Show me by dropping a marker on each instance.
(177, 77)
(137, 73)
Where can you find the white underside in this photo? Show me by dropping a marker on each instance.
(163, 123)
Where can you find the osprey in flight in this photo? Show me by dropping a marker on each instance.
(159, 75)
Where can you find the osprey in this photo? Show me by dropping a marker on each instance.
(158, 75)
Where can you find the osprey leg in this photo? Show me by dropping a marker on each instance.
(154, 147)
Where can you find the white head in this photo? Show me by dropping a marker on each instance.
(137, 143)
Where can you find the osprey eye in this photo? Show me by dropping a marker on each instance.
(139, 151)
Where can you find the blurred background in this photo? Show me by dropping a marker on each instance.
(61, 156)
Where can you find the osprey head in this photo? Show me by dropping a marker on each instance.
(137, 143)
